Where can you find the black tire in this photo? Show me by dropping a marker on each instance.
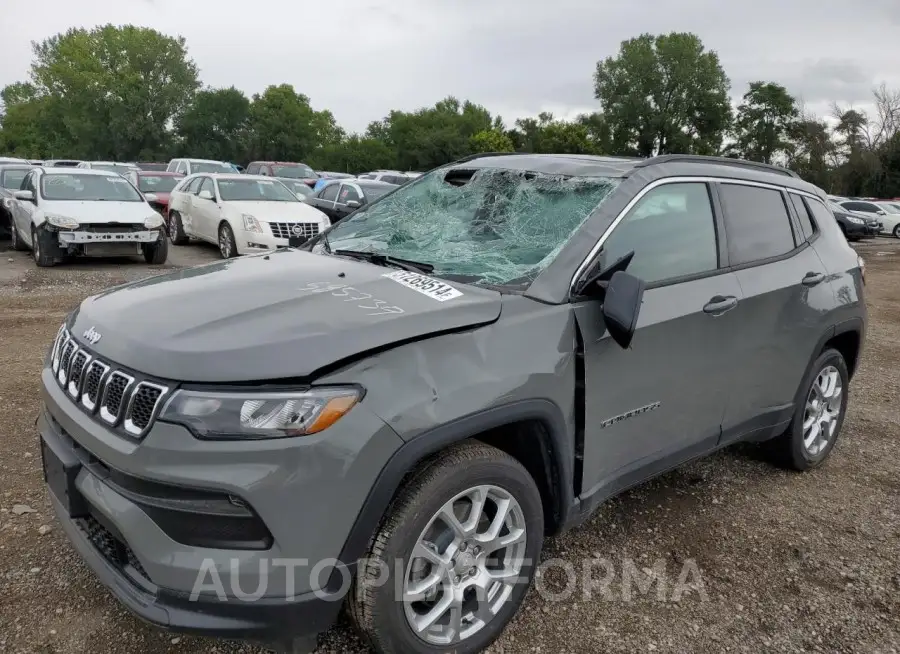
(897, 231)
(227, 245)
(176, 229)
(788, 449)
(39, 238)
(15, 240)
(372, 605)
(156, 253)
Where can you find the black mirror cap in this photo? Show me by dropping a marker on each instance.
(622, 306)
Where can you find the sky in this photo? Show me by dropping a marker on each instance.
(362, 58)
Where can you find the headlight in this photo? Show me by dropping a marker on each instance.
(153, 222)
(63, 222)
(251, 224)
(251, 415)
(856, 221)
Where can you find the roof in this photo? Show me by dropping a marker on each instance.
(367, 183)
(215, 161)
(584, 165)
(280, 163)
(160, 173)
(78, 171)
(12, 165)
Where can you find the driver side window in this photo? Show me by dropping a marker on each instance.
(672, 232)
(207, 185)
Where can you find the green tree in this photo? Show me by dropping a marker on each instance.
(354, 154)
(664, 94)
(546, 135)
(284, 127)
(435, 135)
(811, 151)
(491, 140)
(31, 126)
(121, 87)
(215, 125)
(765, 120)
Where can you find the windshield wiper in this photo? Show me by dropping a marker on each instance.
(387, 260)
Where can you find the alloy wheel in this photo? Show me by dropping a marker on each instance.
(464, 565)
(823, 410)
(224, 243)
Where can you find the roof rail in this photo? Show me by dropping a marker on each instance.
(722, 161)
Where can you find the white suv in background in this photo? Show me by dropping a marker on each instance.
(242, 214)
(191, 166)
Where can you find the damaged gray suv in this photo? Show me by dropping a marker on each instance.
(393, 415)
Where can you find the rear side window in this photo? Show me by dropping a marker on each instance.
(671, 231)
(252, 169)
(757, 223)
(330, 192)
(820, 212)
(806, 223)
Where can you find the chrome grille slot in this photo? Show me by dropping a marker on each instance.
(58, 342)
(76, 372)
(122, 401)
(114, 396)
(92, 387)
(65, 358)
(284, 230)
(142, 406)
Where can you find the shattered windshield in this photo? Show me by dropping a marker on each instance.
(490, 226)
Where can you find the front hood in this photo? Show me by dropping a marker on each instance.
(267, 317)
(278, 212)
(101, 212)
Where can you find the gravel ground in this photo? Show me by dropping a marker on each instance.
(783, 562)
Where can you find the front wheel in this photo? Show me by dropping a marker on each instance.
(818, 416)
(40, 247)
(15, 241)
(897, 230)
(156, 253)
(459, 544)
(227, 246)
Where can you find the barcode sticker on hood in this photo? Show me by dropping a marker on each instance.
(433, 288)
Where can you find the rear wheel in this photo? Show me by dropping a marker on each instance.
(464, 534)
(39, 246)
(176, 229)
(227, 246)
(819, 414)
(897, 230)
(156, 253)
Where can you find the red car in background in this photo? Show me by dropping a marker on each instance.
(156, 186)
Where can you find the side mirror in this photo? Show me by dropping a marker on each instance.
(205, 195)
(27, 196)
(151, 197)
(353, 204)
(622, 306)
(881, 212)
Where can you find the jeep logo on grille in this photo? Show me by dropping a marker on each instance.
(92, 336)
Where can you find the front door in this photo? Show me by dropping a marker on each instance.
(23, 210)
(662, 400)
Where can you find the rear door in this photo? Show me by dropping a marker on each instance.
(205, 213)
(785, 289)
(325, 199)
(189, 201)
(662, 400)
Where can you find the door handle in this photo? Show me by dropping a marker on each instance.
(719, 304)
(812, 278)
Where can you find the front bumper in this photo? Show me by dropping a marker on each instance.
(308, 492)
(80, 238)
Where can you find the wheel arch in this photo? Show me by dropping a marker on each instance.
(532, 431)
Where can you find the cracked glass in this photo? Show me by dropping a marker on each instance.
(489, 226)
